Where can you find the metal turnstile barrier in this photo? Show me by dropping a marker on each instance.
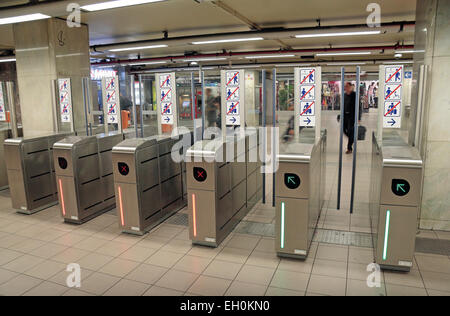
(222, 186)
(30, 169)
(395, 196)
(150, 185)
(84, 175)
(299, 192)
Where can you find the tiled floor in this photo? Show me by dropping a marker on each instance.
(35, 251)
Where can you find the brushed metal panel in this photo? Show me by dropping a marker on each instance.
(209, 183)
(148, 174)
(412, 175)
(223, 180)
(150, 202)
(168, 168)
(205, 215)
(171, 190)
(87, 169)
(302, 170)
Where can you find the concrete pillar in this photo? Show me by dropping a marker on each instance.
(432, 41)
(47, 50)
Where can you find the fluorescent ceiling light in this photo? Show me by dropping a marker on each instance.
(7, 60)
(409, 51)
(269, 56)
(147, 63)
(245, 66)
(292, 65)
(229, 40)
(136, 48)
(345, 64)
(24, 18)
(115, 4)
(343, 54)
(204, 59)
(398, 62)
(337, 34)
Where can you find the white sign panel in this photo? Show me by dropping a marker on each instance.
(2, 105)
(306, 96)
(166, 98)
(111, 100)
(65, 99)
(233, 97)
(393, 87)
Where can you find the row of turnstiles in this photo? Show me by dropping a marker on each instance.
(147, 180)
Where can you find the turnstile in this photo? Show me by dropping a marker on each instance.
(394, 201)
(84, 175)
(5, 133)
(222, 186)
(299, 191)
(150, 185)
(30, 169)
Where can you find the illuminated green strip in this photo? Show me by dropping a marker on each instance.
(282, 225)
(386, 234)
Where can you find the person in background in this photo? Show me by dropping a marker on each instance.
(349, 115)
(211, 108)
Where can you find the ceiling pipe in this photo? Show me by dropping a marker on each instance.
(267, 33)
(255, 53)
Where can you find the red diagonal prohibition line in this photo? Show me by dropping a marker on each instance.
(232, 78)
(65, 108)
(110, 83)
(307, 108)
(306, 93)
(393, 75)
(112, 108)
(392, 92)
(232, 93)
(64, 97)
(308, 76)
(390, 111)
(167, 108)
(168, 77)
(111, 96)
(166, 95)
(231, 110)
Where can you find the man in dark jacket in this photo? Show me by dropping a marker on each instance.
(349, 115)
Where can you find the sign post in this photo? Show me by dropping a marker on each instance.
(2, 104)
(65, 101)
(233, 97)
(111, 102)
(166, 95)
(392, 98)
(308, 94)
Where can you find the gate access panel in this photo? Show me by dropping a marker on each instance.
(395, 198)
(84, 175)
(150, 185)
(299, 195)
(29, 164)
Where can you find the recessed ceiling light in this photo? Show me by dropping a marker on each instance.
(115, 4)
(337, 34)
(343, 54)
(269, 56)
(233, 40)
(136, 48)
(346, 64)
(24, 18)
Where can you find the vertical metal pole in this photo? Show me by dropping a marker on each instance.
(341, 139)
(203, 103)
(193, 106)
(142, 100)
(355, 145)
(11, 100)
(85, 99)
(264, 141)
(133, 100)
(273, 131)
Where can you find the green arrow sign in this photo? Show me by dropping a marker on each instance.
(291, 180)
(401, 187)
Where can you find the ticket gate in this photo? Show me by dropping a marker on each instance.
(150, 186)
(299, 195)
(222, 187)
(394, 201)
(5, 133)
(30, 169)
(84, 175)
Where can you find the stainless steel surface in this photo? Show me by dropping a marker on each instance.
(300, 188)
(228, 189)
(150, 185)
(84, 175)
(29, 164)
(394, 200)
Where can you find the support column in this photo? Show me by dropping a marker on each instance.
(432, 44)
(47, 50)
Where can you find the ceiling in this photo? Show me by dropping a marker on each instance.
(277, 20)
